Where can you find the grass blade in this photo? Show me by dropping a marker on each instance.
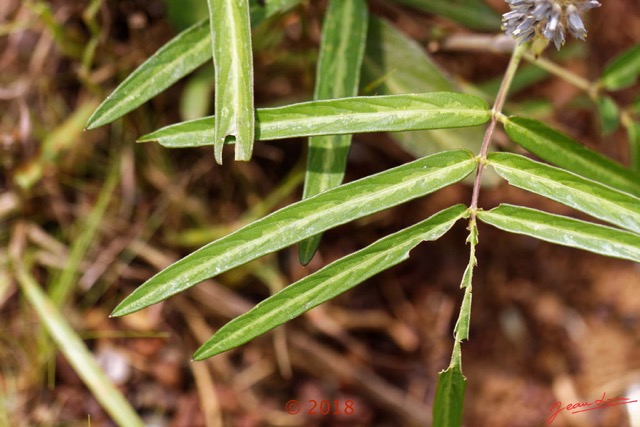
(391, 113)
(344, 35)
(328, 283)
(587, 196)
(564, 231)
(233, 62)
(177, 58)
(77, 353)
(557, 148)
(301, 220)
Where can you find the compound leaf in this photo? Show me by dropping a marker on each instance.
(301, 220)
(328, 282)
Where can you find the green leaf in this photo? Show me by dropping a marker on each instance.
(559, 149)
(177, 58)
(396, 64)
(623, 71)
(301, 220)
(233, 62)
(344, 34)
(449, 399)
(341, 116)
(609, 115)
(585, 195)
(474, 14)
(564, 231)
(328, 283)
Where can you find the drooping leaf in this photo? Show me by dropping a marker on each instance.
(344, 34)
(623, 71)
(585, 195)
(474, 14)
(301, 220)
(448, 404)
(233, 62)
(564, 231)
(328, 283)
(559, 149)
(396, 64)
(177, 58)
(341, 116)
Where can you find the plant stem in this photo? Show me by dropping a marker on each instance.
(566, 75)
(496, 111)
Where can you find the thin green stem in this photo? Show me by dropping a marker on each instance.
(566, 75)
(496, 111)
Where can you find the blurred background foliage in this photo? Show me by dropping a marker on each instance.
(85, 217)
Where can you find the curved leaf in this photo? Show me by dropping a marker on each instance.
(564, 231)
(341, 116)
(587, 196)
(177, 58)
(301, 220)
(344, 35)
(557, 148)
(328, 282)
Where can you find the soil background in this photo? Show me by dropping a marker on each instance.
(549, 324)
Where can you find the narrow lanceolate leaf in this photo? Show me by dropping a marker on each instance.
(301, 220)
(390, 113)
(565, 231)
(344, 34)
(233, 61)
(177, 58)
(449, 399)
(623, 70)
(590, 197)
(328, 283)
(557, 148)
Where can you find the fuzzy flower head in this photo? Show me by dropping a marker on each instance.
(529, 19)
